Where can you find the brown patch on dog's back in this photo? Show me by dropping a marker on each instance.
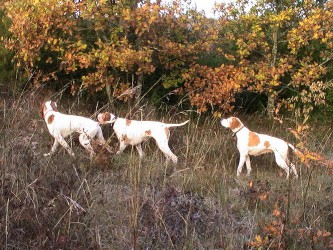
(148, 133)
(253, 139)
(267, 144)
(128, 122)
(235, 123)
(50, 119)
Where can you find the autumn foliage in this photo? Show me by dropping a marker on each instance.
(281, 49)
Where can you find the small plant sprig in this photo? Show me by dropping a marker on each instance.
(301, 133)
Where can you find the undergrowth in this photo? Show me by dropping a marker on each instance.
(123, 202)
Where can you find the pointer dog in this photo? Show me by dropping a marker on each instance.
(62, 125)
(251, 143)
(131, 132)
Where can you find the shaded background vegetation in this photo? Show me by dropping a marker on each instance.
(270, 63)
(169, 52)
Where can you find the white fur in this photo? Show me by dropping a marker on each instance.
(265, 144)
(62, 125)
(132, 132)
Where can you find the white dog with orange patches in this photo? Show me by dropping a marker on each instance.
(251, 143)
(132, 132)
(61, 126)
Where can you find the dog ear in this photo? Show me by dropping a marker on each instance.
(107, 116)
(102, 117)
(234, 123)
(54, 106)
(41, 111)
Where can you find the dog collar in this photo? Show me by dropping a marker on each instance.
(113, 121)
(234, 134)
(47, 111)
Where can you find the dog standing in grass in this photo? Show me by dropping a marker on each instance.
(61, 126)
(251, 143)
(132, 132)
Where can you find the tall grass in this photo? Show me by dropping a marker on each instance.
(124, 202)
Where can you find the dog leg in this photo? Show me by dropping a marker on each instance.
(122, 147)
(293, 168)
(242, 160)
(164, 147)
(248, 165)
(63, 143)
(282, 160)
(85, 142)
(53, 149)
(139, 149)
(172, 156)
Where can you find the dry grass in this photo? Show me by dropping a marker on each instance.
(128, 203)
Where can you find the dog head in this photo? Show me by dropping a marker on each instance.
(106, 117)
(48, 106)
(232, 122)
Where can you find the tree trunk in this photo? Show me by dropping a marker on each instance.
(271, 98)
(138, 90)
(109, 94)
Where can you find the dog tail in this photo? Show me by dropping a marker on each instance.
(168, 125)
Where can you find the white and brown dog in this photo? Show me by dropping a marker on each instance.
(132, 132)
(62, 125)
(251, 143)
